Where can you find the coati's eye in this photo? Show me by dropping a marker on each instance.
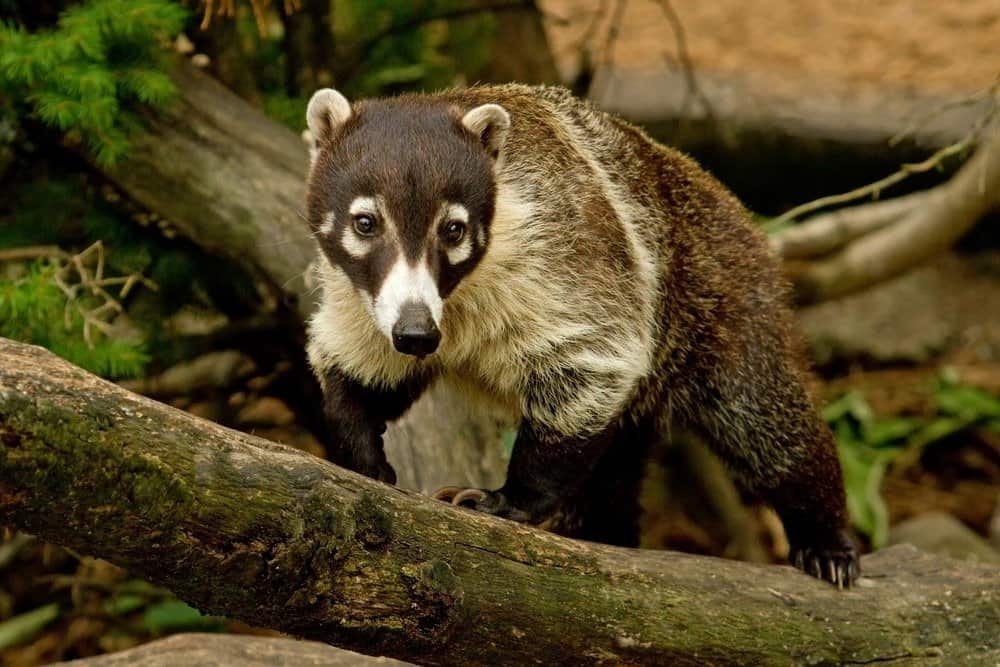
(364, 224)
(454, 231)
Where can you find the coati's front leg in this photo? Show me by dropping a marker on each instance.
(547, 469)
(357, 416)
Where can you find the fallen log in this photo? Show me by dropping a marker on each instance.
(243, 527)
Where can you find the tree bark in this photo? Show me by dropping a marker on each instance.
(521, 49)
(239, 526)
(233, 181)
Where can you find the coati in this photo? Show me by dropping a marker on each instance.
(591, 281)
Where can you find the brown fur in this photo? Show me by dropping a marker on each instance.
(622, 287)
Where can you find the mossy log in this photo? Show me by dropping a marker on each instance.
(246, 528)
(233, 181)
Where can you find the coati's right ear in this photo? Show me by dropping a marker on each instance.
(327, 111)
(490, 123)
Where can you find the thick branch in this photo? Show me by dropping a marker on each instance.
(827, 232)
(239, 526)
(944, 215)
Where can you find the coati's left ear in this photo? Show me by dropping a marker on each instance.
(489, 122)
(327, 111)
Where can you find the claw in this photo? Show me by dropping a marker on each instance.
(814, 567)
(475, 495)
(446, 493)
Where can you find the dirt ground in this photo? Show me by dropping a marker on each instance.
(939, 47)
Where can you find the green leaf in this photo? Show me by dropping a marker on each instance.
(890, 432)
(174, 615)
(864, 469)
(966, 401)
(120, 605)
(851, 404)
(24, 627)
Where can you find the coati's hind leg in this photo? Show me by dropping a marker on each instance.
(757, 415)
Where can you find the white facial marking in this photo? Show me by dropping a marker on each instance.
(356, 247)
(404, 284)
(456, 212)
(463, 250)
(326, 228)
(363, 205)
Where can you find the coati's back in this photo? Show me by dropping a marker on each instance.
(628, 231)
(588, 279)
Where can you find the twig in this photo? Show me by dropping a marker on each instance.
(687, 65)
(614, 30)
(949, 211)
(987, 93)
(904, 172)
(32, 252)
(827, 232)
(73, 277)
(259, 7)
(607, 54)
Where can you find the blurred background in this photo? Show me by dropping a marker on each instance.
(151, 187)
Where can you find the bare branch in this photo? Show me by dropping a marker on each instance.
(823, 234)
(945, 214)
(694, 91)
(907, 170)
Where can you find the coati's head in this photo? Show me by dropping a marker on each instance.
(401, 197)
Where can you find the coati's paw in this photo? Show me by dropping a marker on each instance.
(837, 563)
(481, 500)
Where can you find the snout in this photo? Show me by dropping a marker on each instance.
(415, 331)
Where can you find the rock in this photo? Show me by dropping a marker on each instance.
(265, 411)
(189, 650)
(209, 371)
(210, 410)
(943, 534)
(953, 301)
(294, 436)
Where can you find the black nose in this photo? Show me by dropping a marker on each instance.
(415, 331)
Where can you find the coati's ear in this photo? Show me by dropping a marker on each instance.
(489, 122)
(327, 111)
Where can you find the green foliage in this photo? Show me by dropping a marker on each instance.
(172, 615)
(23, 628)
(420, 54)
(33, 309)
(86, 75)
(289, 111)
(868, 444)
